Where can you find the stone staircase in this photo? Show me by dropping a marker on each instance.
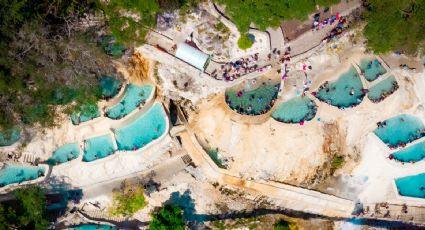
(121, 222)
(28, 158)
(187, 159)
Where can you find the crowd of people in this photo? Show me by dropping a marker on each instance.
(386, 93)
(328, 88)
(340, 22)
(233, 70)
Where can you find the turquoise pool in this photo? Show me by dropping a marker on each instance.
(98, 147)
(134, 95)
(345, 92)
(64, 153)
(93, 227)
(88, 112)
(372, 69)
(400, 130)
(143, 130)
(10, 138)
(383, 89)
(295, 110)
(12, 173)
(413, 186)
(109, 86)
(413, 153)
(252, 102)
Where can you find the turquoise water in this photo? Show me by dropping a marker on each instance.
(401, 129)
(64, 153)
(253, 102)
(145, 129)
(88, 112)
(98, 147)
(134, 95)
(295, 110)
(413, 153)
(344, 92)
(384, 88)
(19, 173)
(372, 68)
(413, 186)
(10, 138)
(93, 227)
(109, 86)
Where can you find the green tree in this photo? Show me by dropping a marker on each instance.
(269, 13)
(168, 217)
(395, 25)
(29, 212)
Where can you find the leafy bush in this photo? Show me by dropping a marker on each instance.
(336, 163)
(281, 225)
(128, 201)
(129, 20)
(244, 42)
(168, 217)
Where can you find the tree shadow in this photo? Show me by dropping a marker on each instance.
(187, 204)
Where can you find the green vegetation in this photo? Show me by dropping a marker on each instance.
(281, 225)
(244, 42)
(265, 13)
(129, 20)
(395, 25)
(168, 217)
(128, 201)
(337, 162)
(29, 211)
(46, 61)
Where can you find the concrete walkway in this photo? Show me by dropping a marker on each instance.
(292, 197)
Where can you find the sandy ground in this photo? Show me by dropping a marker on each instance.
(285, 152)
(263, 151)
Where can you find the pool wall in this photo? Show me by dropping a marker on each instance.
(114, 101)
(10, 187)
(135, 116)
(114, 143)
(335, 91)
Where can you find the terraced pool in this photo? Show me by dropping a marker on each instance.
(413, 153)
(295, 110)
(64, 154)
(345, 92)
(146, 128)
(400, 130)
(412, 186)
(133, 97)
(93, 227)
(109, 86)
(383, 89)
(98, 147)
(13, 173)
(10, 138)
(88, 112)
(372, 68)
(252, 102)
